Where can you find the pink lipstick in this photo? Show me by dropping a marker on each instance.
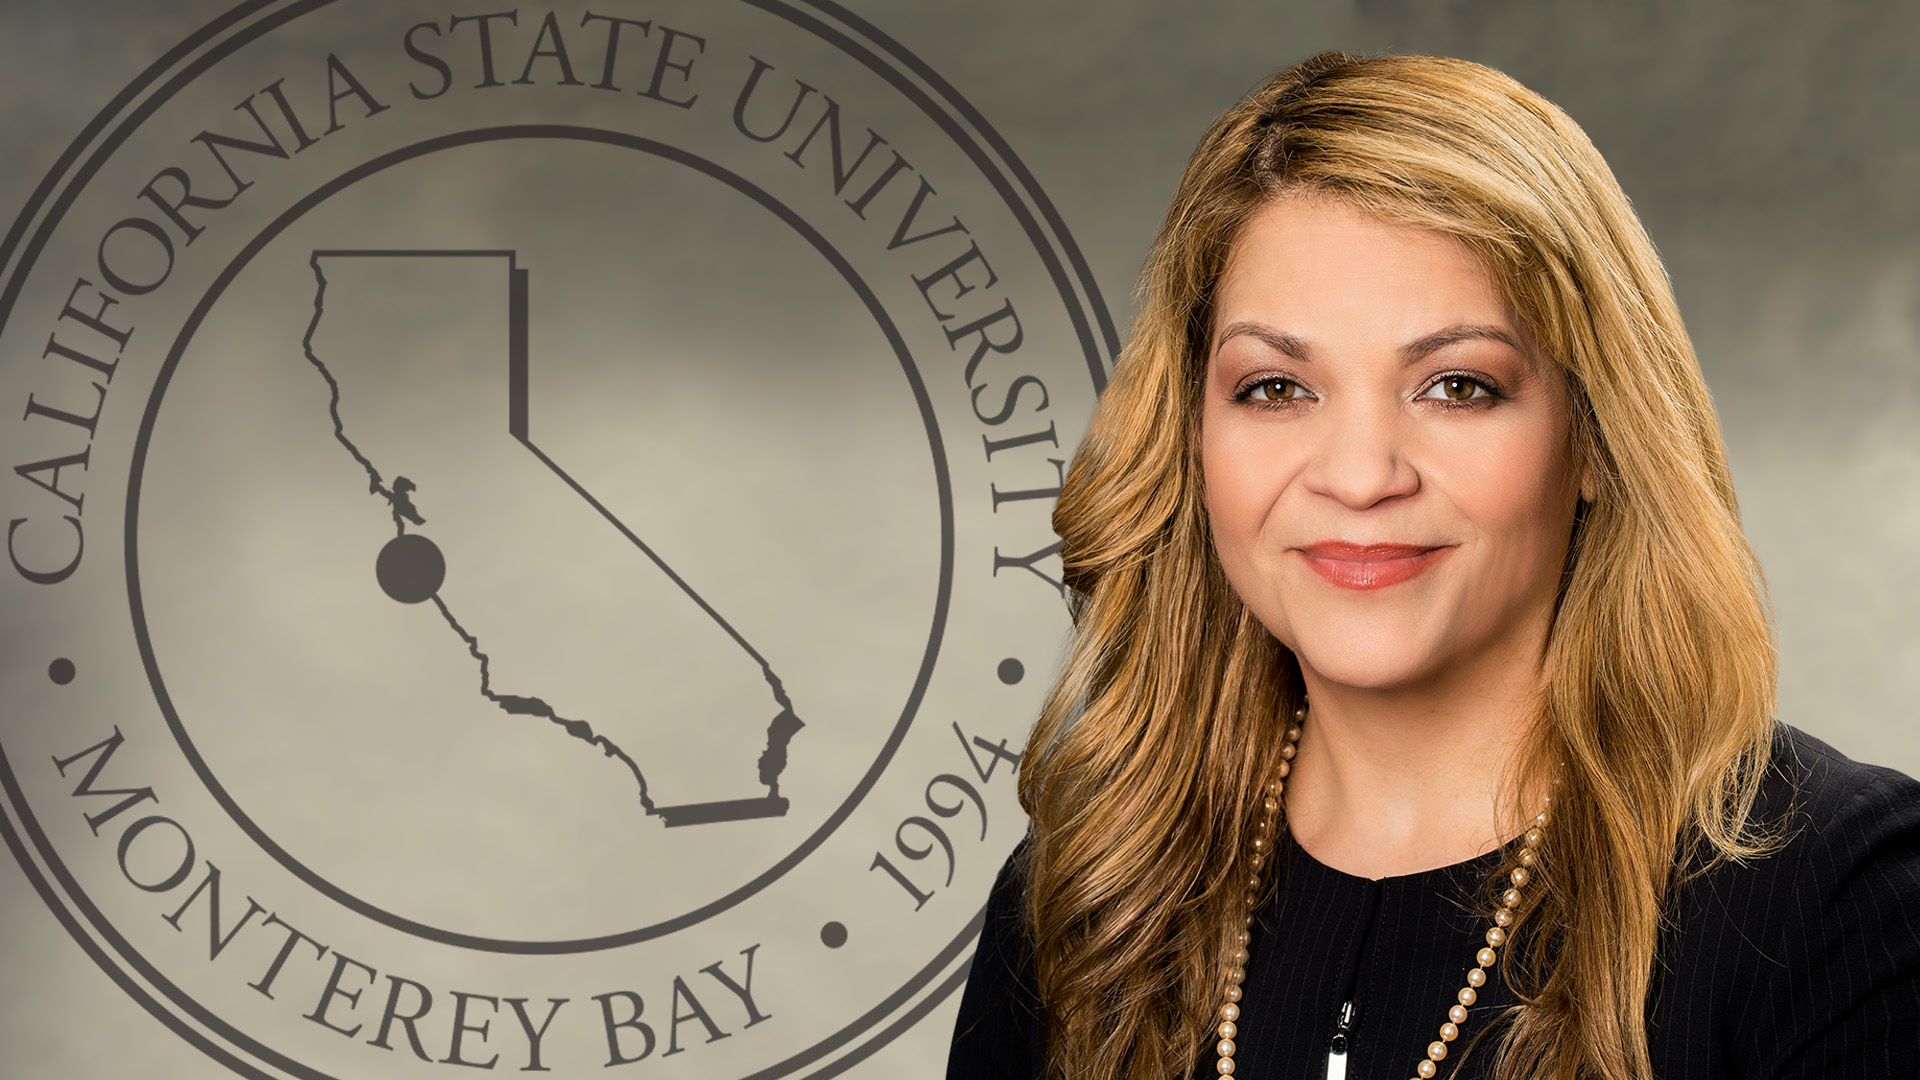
(1368, 566)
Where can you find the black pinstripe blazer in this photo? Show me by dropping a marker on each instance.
(1804, 965)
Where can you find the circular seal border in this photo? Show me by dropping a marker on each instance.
(54, 196)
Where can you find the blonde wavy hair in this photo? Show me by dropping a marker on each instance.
(1165, 723)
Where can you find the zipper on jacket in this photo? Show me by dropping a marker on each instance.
(1341, 1046)
(1337, 1050)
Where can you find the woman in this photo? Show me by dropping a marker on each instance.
(1419, 653)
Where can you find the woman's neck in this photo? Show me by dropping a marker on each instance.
(1396, 781)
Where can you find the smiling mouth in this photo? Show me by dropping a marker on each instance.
(1368, 566)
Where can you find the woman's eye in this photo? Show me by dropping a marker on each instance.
(1457, 388)
(1275, 390)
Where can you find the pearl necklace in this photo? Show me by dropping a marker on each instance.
(1263, 840)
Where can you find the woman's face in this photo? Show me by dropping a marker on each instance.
(1386, 454)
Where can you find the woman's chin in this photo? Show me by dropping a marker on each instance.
(1367, 665)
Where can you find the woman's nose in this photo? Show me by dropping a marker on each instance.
(1360, 458)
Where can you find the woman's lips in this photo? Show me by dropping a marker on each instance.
(1368, 566)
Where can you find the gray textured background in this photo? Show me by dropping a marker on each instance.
(1773, 150)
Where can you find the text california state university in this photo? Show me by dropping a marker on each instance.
(495, 53)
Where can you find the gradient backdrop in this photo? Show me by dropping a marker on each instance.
(1772, 151)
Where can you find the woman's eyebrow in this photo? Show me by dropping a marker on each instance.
(1440, 339)
(1274, 339)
